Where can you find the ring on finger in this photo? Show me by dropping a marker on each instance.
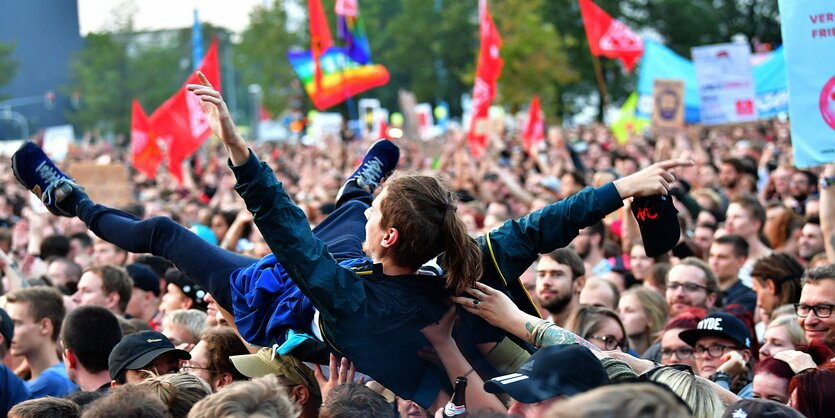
(475, 303)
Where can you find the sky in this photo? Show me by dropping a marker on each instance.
(98, 15)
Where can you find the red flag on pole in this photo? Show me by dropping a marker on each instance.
(487, 73)
(180, 122)
(320, 37)
(534, 133)
(610, 37)
(145, 154)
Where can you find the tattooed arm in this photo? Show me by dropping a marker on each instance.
(496, 308)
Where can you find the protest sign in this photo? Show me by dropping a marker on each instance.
(808, 36)
(104, 183)
(668, 106)
(726, 83)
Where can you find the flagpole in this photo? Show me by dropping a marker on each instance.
(601, 85)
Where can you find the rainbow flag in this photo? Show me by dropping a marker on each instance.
(342, 77)
(351, 30)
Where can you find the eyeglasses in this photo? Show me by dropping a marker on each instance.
(715, 350)
(690, 287)
(821, 311)
(186, 367)
(681, 352)
(610, 342)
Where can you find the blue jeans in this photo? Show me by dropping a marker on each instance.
(209, 265)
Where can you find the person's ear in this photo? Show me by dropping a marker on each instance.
(579, 284)
(711, 299)
(224, 379)
(187, 303)
(45, 327)
(771, 286)
(300, 394)
(70, 358)
(746, 355)
(112, 300)
(390, 238)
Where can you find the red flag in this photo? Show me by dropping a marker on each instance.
(610, 37)
(487, 73)
(320, 37)
(145, 154)
(534, 133)
(180, 122)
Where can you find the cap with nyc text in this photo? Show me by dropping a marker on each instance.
(658, 221)
(557, 370)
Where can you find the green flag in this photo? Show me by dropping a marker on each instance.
(627, 123)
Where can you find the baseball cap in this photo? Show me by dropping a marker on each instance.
(658, 220)
(143, 277)
(719, 324)
(138, 350)
(265, 362)
(6, 327)
(552, 371)
(759, 408)
(189, 288)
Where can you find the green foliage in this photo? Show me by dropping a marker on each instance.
(261, 55)
(8, 65)
(114, 68)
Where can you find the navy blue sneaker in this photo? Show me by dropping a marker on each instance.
(380, 160)
(35, 171)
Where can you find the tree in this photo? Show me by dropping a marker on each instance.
(8, 65)
(261, 55)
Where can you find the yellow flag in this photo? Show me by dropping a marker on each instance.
(627, 122)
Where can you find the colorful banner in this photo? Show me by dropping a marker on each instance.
(342, 77)
(610, 37)
(770, 82)
(726, 83)
(808, 40)
(350, 28)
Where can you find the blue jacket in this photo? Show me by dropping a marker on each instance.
(374, 319)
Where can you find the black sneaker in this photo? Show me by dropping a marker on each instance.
(35, 171)
(380, 161)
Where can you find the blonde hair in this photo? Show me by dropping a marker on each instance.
(638, 400)
(654, 306)
(262, 396)
(792, 327)
(179, 392)
(697, 394)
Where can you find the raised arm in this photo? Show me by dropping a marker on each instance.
(220, 120)
(512, 247)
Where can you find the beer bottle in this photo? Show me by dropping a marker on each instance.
(457, 406)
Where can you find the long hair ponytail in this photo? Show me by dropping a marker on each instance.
(423, 211)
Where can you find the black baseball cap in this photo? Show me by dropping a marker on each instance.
(658, 220)
(189, 288)
(759, 408)
(6, 327)
(136, 351)
(557, 370)
(719, 324)
(143, 277)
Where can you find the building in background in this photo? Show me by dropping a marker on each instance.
(46, 35)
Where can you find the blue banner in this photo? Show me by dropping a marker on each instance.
(660, 62)
(808, 40)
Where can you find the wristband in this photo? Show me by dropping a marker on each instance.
(825, 182)
(720, 376)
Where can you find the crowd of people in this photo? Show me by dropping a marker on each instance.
(357, 278)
